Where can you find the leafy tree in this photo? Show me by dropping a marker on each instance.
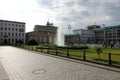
(19, 42)
(33, 42)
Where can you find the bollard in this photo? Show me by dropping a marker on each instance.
(109, 58)
(28, 47)
(36, 48)
(32, 48)
(84, 56)
(48, 50)
(41, 49)
(56, 51)
(67, 52)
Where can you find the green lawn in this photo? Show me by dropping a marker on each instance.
(91, 54)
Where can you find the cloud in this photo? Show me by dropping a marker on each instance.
(113, 10)
(87, 12)
(78, 13)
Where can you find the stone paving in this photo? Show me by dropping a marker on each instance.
(3, 73)
(27, 65)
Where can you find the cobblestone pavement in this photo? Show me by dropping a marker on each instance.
(3, 74)
(26, 65)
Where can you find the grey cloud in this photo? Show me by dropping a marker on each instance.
(94, 10)
(75, 16)
(70, 3)
(89, 4)
(50, 4)
(113, 10)
(46, 2)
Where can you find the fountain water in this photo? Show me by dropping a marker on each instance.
(60, 37)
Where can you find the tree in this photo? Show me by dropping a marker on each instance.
(32, 42)
(19, 42)
(99, 51)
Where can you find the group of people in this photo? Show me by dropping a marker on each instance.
(111, 44)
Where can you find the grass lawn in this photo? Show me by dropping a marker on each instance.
(91, 53)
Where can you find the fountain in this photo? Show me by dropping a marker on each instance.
(60, 37)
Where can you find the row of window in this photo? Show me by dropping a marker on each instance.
(12, 34)
(9, 29)
(9, 40)
(11, 24)
(41, 35)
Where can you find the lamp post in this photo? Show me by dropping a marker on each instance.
(69, 28)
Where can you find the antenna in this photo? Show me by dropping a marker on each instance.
(69, 28)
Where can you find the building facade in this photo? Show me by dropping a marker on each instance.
(95, 34)
(73, 39)
(109, 34)
(86, 36)
(42, 34)
(11, 32)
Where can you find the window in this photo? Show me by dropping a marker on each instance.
(9, 40)
(16, 29)
(22, 34)
(15, 40)
(9, 29)
(16, 34)
(1, 33)
(19, 25)
(12, 29)
(1, 28)
(12, 34)
(9, 33)
(21, 30)
(5, 28)
(12, 24)
(12, 40)
(19, 34)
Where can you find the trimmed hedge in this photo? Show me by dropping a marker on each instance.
(74, 47)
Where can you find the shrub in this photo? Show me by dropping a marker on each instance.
(74, 47)
(99, 51)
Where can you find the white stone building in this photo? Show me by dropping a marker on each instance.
(42, 34)
(11, 32)
(85, 35)
(96, 34)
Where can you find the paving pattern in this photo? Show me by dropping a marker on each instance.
(27, 65)
(3, 73)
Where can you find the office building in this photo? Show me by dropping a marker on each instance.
(96, 34)
(11, 32)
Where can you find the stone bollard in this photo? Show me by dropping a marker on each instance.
(109, 58)
(68, 53)
(84, 56)
(56, 51)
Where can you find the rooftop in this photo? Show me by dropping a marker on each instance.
(11, 21)
(112, 27)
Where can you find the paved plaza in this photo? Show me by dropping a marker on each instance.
(22, 64)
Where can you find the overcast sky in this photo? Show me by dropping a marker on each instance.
(78, 13)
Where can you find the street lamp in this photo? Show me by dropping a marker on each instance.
(69, 28)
